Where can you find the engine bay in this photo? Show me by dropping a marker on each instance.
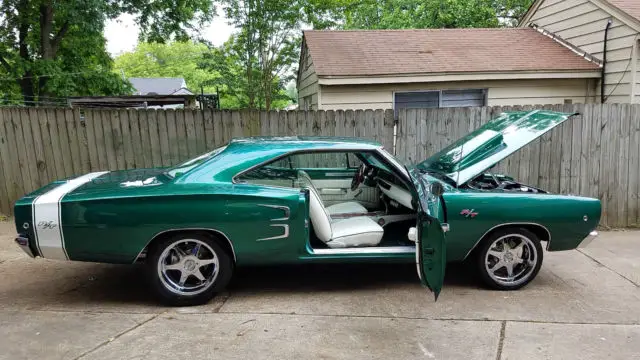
(489, 181)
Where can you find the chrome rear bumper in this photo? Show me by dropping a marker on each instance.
(586, 241)
(23, 242)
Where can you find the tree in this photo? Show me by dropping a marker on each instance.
(266, 46)
(239, 82)
(53, 48)
(402, 14)
(172, 59)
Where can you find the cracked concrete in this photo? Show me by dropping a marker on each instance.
(583, 305)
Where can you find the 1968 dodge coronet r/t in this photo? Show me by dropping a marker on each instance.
(301, 199)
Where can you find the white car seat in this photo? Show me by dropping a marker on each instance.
(349, 207)
(345, 233)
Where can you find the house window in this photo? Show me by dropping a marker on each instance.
(439, 99)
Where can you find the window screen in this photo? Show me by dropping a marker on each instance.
(439, 98)
(416, 100)
(462, 98)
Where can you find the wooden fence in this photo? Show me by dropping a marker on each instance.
(595, 154)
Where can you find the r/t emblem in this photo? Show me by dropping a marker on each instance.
(468, 213)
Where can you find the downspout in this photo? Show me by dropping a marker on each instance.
(604, 62)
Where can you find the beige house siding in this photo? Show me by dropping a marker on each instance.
(307, 83)
(582, 23)
(499, 92)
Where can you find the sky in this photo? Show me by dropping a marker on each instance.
(122, 34)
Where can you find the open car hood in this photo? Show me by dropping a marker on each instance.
(486, 146)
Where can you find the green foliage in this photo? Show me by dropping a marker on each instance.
(260, 58)
(235, 85)
(172, 59)
(52, 49)
(404, 14)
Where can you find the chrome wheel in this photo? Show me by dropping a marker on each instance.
(511, 260)
(188, 267)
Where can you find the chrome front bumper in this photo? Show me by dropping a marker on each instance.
(23, 242)
(586, 241)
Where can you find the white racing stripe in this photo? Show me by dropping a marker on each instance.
(47, 217)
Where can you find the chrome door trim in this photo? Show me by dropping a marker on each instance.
(283, 236)
(366, 250)
(287, 211)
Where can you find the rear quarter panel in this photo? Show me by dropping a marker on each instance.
(561, 215)
(117, 229)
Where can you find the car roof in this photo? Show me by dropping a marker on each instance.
(307, 142)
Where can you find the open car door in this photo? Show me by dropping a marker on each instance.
(431, 249)
(431, 253)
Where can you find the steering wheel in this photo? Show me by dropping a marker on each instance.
(358, 178)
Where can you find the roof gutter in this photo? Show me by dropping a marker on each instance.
(603, 98)
(566, 44)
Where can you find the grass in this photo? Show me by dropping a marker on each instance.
(3, 218)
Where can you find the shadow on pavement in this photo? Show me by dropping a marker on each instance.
(105, 286)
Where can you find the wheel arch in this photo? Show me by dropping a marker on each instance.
(539, 230)
(220, 236)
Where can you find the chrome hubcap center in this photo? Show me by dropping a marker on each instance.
(508, 257)
(190, 265)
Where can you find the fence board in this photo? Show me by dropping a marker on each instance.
(192, 142)
(109, 141)
(605, 159)
(201, 135)
(30, 165)
(65, 149)
(576, 148)
(154, 139)
(101, 146)
(181, 134)
(136, 139)
(633, 189)
(16, 141)
(83, 145)
(118, 140)
(6, 194)
(622, 186)
(209, 137)
(163, 139)
(40, 176)
(127, 143)
(74, 146)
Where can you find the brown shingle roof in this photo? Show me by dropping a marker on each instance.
(388, 52)
(631, 7)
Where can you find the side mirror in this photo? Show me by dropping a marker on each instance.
(436, 189)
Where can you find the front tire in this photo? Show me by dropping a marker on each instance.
(188, 269)
(509, 259)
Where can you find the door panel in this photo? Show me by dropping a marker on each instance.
(431, 255)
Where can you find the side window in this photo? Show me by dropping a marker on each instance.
(353, 161)
(325, 160)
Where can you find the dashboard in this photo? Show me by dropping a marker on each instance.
(395, 192)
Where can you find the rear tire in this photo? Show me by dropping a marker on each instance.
(188, 269)
(509, 259)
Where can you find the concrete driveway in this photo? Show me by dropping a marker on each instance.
(583, 305)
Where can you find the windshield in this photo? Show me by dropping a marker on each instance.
(190, 164)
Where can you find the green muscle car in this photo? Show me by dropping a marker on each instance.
(269, 200)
